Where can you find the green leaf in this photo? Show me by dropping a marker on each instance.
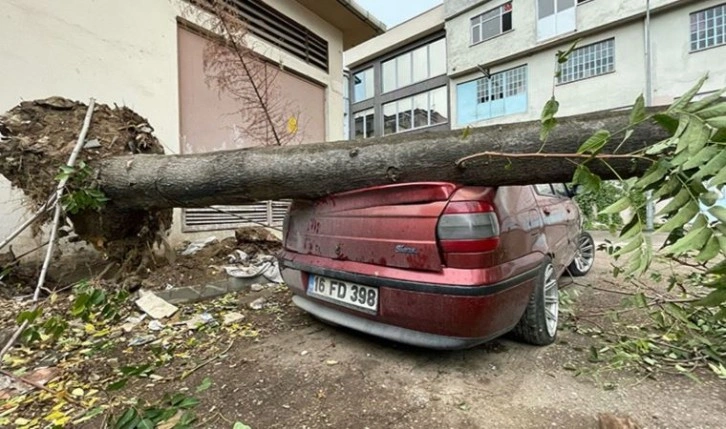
(618, 206)
(595, 143)
(709, 251)
(719, 179)
(660, 146)
(655, 173)
(717, 122)
(465, 133)
(206, 384)
(583, 176)
(631, 229)
(705, 102)
(563, 56)
(709, 198)
(713, 299)
(548, 118)
(666, 121)
(240, 425)
(145, 424)
(694, 240)
(681, 218)
(677, 202)
(683, 101)
(671, 187)
(713, 111)
(638, 113)
(718, 212)
(127, 417)
(117, 385)
(631, 246)
(716, 164)
(188, 402)
(696, 135)
(701, 158)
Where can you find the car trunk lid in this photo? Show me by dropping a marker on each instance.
(392, 225)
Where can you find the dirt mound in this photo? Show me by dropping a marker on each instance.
(37, 137)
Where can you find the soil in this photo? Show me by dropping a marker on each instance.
(281, 368)
(36, 137)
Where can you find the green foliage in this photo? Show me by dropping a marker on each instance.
(594, 198)
(178, 407)
(548, 120)
(80, 193)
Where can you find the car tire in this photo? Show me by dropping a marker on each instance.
(584, 257)
(538, 325)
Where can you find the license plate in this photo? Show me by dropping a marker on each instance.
(347, 294)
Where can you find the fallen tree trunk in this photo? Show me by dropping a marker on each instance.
(315, 170)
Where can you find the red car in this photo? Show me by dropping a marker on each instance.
(434, 264)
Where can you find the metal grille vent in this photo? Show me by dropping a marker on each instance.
(267, 213)
(272, 26)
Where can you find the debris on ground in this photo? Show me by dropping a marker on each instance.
(232, 317)
(611, 421)
(258, 304)
(198, 245)
(154, 306)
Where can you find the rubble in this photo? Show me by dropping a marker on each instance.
(154, 306)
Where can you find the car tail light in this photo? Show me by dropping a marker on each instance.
(468, 226)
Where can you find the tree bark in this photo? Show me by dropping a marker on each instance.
(315, 170)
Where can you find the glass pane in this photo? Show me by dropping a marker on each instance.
(490, 29)
(475, 34)
(437, 58)
(507, 21)
(560, 189)
(439, 106)
(403, 72)
(370, 124)
(389, 75)
(420, 64)
(545, 8)
(421, 110)
(359, 134)
(389, 118)
(363, 85)
(564, 4)
(544, 189)
(404, 114)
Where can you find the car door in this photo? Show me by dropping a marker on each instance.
(556, 215)
(572, 216)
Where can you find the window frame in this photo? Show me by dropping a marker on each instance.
(364, 114)
(691, 32)
(580, 50)
(397, 113)
(392, 64)
(370, 69)
(500, 19)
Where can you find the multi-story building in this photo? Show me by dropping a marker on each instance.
(397, 81)
(503, 66)
(149, 56)
(501, 62)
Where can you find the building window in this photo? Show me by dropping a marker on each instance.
(414, 66)
(363, 88)
(708, 28)
(492, 23)
(500, 94)
(555, 17)
(364, 124)
(588, 61)
(421, 110)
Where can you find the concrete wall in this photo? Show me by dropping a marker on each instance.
(616, 89)
(403, 34)
(124, 53)
(674, 67)
(523, 36)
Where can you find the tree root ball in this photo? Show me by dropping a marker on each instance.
(37, 138)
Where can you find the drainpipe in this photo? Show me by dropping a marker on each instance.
(649, 204)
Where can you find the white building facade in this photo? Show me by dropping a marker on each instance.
(502, 54)
(148, 55)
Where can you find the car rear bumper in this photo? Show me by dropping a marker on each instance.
(422, 313)
(387, 331)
